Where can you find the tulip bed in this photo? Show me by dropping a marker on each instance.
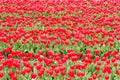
(60, 40)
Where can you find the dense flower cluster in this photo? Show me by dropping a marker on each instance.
(56, 39)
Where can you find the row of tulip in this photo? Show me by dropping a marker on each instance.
(55, 39)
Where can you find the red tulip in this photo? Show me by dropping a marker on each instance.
(1, 74)
(33, 75)
(71, 73)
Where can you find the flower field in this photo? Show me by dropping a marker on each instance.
(59, 39)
